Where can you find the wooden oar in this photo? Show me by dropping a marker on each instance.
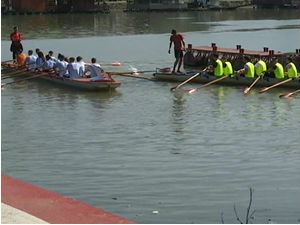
(275, 85)
(186, 81)
(134, 76)
(288, 94)
(191, 90)
(17, 74)
(247, 89)
(129, 72)
(28, 78)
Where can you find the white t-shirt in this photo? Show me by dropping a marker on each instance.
(95, 70)
(31, 62)
(73, 70)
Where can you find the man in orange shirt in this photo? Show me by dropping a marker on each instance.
(21, 58)
(179, 46)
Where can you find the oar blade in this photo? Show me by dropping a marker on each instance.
(246, 90)
(116, 64)
(190, 90)
(286, 95)
(263, 90)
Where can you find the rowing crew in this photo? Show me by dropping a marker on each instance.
(63, 66)
(222, 67)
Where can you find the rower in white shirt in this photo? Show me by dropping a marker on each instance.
(49, 64)
(40, 61)
(30, 60)
(95, 71)
(50, 53)
(80, 65)
(73, 69)
(61, 66)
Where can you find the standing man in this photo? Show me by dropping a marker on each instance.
(16, 45)
(179, 46)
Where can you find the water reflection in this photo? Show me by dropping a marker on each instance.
(179, 120)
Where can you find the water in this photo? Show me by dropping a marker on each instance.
(143, 148)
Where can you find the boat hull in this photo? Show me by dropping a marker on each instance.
(80, 83)
(236, 80)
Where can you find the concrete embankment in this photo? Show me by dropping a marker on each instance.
(25, 203)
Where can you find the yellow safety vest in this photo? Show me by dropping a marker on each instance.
(228, 69)
(292, 70)
(279, 72)
(218, 71)
(260, 68)
(250, 72)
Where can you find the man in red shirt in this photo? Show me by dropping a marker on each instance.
(179, 46)
(16, 45)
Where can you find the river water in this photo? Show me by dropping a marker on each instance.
(142, 152)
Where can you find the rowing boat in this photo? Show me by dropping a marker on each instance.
(79, 83)
(238, 80)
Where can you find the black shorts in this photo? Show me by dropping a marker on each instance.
(14, 47)
(178, 53)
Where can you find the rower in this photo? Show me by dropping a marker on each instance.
(80, 65)
(217, 65)
(37, 50)
(40, 61)
(21, 58)
(95, 70)
(248, 70)
(61, 66)
(291, 69)
(260, 67)
(50, 53)
(73, 69)
(227, 69)
(31, 60)
(277, 68)
(49, 64)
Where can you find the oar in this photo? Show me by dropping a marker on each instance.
(129, 72)
(28, 78)
(112, 64)
(17, 74)
(247, 89)
(183, 83)
(191, 90)
(288, 94)
(275, 85)
(134, 76)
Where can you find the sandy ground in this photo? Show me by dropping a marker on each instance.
(10, 215)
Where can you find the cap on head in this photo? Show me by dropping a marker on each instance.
(173, 31)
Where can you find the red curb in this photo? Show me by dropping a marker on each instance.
(53, 207)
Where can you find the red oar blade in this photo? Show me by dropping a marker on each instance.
(246, 90)
(286, 95)
(190, 90)
(263, 90)
(116, 64)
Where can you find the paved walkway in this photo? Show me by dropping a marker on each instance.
(26, 203)
(10, 215)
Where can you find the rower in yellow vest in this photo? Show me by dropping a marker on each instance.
(227, 70)
(260, 67)
(248, 70)
(276, 69)
(291, 69)
(217, 65)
